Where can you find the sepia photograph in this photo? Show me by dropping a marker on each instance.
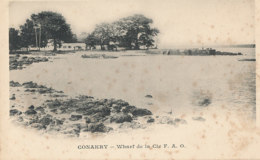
(148, 79)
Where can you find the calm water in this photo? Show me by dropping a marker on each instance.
(175, 82)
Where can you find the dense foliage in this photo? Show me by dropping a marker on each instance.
(42, 27)
(130, 32)
(14, 39)
(46, 27)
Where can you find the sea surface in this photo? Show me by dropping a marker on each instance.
(177, 84)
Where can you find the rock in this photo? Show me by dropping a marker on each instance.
(88, 120)
(110, 102)
(39, 88)
(99, 127)
(99, 102)
(98, 117)
(75, 117)
(116, 108)
(150, 120)
(133, 125)
(57, 95)
(54, 110)
(83, 111)
(121, 118)
(46, 90)
(95, 119)
(33, 85)
(14, 84)
(141, 112)
(253, 59)
(13, 112)
(202, 98)
(54, 104)
(84, 97)
(198, 119)
(166, 120)
(103, 110)
(30, 112)
(30, 85)
(180, 121)
(20, 119)
(74, 130)
(128, 109)
(37, 126)
(103, 101)
(148, 96)
(59, 91)
(59, 122)
(205, 102)
(121, 103)
(90, 104)
(14, 61)
(46, 120)
(41, 109)
(13, 97)
(31, 107)
(63, 110)
(34, 119)
(30, 90)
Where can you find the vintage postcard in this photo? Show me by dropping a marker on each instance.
(139, 79)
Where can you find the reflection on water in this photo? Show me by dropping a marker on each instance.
(178, 83)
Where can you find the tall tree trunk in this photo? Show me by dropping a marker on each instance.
(136, 42)
(101, 44)
(54, 45)
(137, 45)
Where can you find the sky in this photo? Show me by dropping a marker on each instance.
(181, 22)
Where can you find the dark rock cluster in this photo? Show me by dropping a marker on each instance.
(97, 112)
(18, 62)
(34, 87)
(72, 116)
(91, 115)
(80, 114)
(14, 84)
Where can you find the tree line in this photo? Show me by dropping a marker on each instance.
(39, 29)
(130, 32)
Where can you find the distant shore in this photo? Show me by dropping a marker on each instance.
(176, 51)
(19, 59)
(193, 52)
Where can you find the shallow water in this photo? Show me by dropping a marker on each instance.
(176, 83)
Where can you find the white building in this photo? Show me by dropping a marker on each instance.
(65, 46)
(72, 46)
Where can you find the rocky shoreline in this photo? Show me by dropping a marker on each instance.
(73, 116)
(19, 62)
